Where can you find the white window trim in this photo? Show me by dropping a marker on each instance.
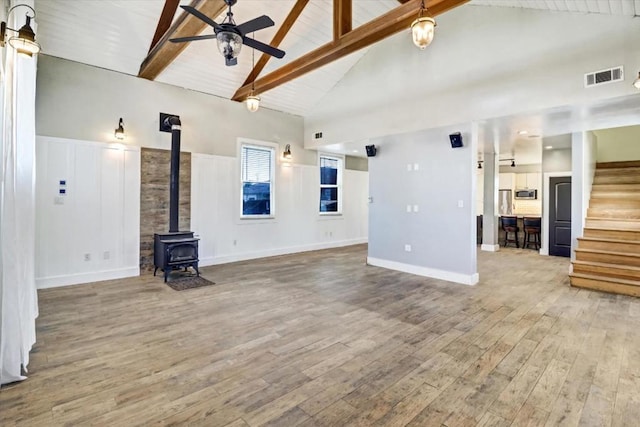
(241, 142)
(341, 161)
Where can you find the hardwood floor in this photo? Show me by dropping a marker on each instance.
(321, 339)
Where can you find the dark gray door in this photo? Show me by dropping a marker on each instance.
(560, 216)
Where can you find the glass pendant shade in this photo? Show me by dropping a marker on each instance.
(25, 42)
(229, 44)
(422, 30)
(636, 84)
(253, 103)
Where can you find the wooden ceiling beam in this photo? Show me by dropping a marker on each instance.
(166, 17)
(164, 52)
(293, 15)
(367, 34)
(342, 21)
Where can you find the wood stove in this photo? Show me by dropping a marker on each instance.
(175, 249)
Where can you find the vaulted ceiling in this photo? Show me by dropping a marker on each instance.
(117, 34)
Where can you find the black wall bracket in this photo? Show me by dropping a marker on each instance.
(165, 126)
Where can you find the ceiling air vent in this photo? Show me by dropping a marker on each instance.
(604, 76)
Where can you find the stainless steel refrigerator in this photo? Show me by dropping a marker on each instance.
(505, 202)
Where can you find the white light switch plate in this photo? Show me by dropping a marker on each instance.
(407, 248)
(415, 208)
(460, 203)
(408, 208)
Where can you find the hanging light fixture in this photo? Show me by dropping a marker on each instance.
(636, 83)
(513, 163)
(479, 164)
(25, 42)
(119, 132)
(422, 29)
(287, 152)
(253, 101)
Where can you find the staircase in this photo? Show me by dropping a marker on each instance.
(608, 256)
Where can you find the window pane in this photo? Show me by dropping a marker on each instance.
(328, 200)
(256, 164)
(256, 198)
(328, 171)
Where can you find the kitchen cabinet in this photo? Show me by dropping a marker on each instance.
(531, 181)
(506, 181)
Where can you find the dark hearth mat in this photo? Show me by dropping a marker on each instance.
(184, 283)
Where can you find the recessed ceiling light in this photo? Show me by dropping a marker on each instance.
(522, 132)
(548, 147)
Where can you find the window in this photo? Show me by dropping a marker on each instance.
(257, 168)
(330, 184)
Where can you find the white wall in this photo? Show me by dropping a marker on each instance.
(618, 144)
(99, 215)
(583, 157)
(484, 62)
(215, 205)
(442, 234)
(82, 103)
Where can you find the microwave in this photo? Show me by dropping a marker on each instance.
(526, 194)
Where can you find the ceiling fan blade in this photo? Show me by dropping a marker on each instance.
(255, 24)
(195, 12)
(269, 50)
(230, 61)
(192, 38)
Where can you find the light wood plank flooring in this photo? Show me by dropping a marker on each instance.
(321, 339)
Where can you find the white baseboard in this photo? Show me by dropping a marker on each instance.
(224, 259)
(465, 279)
(490, 248)
(93, 276)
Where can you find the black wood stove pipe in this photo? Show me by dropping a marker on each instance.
(174, 186)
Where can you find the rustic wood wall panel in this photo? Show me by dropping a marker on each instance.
(154, 198)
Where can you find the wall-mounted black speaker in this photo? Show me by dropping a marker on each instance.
(371, 150)
(456, 140)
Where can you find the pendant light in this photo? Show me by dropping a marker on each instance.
(253, 101)
(422, 29)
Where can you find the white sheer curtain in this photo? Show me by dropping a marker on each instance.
(18, 296)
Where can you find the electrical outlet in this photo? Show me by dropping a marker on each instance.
(460, 204)
(409, 167)
(415, 208)
(235, 242)
(106, 255)
(408, 208)
(416, 167)
(407, 248)
(87, 257)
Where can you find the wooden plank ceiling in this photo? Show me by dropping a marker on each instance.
(345, 39)
(117, 34)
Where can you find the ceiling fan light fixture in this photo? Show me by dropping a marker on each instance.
(422, 29)
(253, 103)
(229, 44)
(636, 83)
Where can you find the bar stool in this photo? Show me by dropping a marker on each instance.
(531, 228)
(510, 225)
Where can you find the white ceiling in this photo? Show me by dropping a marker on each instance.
(116, 34)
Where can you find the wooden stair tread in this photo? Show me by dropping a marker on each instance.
(617, 165)
(607, 265)
(606, 279)
(602, 239)
(603, 218)
(600, 251)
